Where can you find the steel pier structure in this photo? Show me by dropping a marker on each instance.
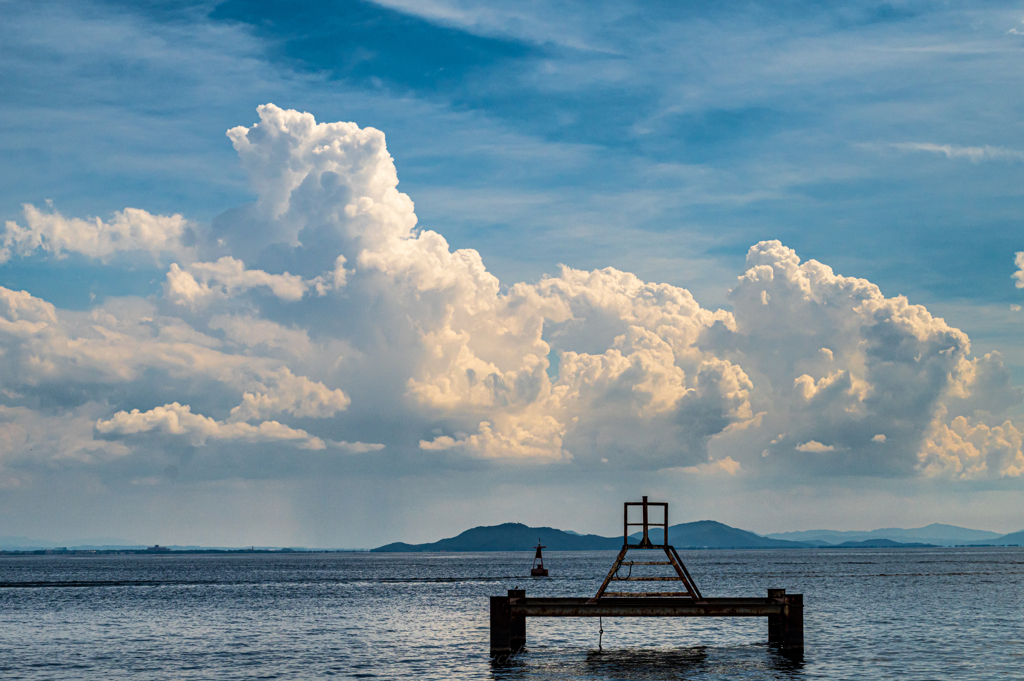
(785, 612)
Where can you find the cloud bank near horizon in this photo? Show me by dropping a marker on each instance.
(320, 321)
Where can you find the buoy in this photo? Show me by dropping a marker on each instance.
(538, 563)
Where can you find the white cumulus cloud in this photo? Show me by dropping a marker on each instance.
(226, 278)
(727, 466)
(321, 317)
(814, 446)
(176, 419)
(132, 229)
(967, 449)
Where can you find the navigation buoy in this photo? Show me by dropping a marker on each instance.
(538, 563)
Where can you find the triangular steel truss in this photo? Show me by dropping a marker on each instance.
(681, 573)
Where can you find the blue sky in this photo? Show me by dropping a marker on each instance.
(881, 139)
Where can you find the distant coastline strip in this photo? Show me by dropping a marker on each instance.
(137, 582)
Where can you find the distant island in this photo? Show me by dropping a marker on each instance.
(704, 534)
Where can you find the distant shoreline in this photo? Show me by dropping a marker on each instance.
(278, 552)
(176, 552)
(696, 535)
(701, 534)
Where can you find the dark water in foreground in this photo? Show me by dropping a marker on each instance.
(869, 614)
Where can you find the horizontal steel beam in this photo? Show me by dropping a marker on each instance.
(646, 594)
(645, 607)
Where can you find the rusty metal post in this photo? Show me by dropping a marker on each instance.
(517, 623)
(501, 625)
(776, 627)
(793, 616)
(646, 540)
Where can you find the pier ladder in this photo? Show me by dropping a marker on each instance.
(681, 574)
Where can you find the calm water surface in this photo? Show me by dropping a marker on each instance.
(869, 614)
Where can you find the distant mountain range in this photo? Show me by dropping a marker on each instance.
(709, 534)
(704, 534)
(1012, 539)
(936, 533)
(696, 535)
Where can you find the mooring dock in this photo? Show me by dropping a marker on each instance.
(785, 612)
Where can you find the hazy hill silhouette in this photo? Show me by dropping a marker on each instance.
(711, 534)
(511, 537)
(520, 537)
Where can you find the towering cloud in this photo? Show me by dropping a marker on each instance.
(321, 311)
(839, 364)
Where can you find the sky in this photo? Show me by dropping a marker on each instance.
(337, 274)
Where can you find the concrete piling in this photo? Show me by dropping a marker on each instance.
(501, 627)
(793, 639)
(776, 625)
(517, 622)
(508, 628)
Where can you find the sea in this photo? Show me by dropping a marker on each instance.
(943, 613)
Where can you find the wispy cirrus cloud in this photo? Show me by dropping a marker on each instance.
(953, 151)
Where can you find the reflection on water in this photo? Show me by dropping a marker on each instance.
(699, 662)
(869, 614)
(687, 663)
